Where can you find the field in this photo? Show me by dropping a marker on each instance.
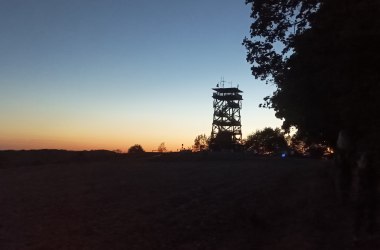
(182, 202)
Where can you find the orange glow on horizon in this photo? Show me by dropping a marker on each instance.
(78, 144)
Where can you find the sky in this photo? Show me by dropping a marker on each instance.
(108, 74)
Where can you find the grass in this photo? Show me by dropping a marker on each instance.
(173, 203)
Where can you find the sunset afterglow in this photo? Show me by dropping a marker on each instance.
(82, 75)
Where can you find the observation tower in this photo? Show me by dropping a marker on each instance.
(226, 124)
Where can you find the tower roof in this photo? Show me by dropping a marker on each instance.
(227, 96)
(227, 90)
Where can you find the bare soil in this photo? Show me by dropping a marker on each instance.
(126, 203)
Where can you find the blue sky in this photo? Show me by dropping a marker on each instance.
(91, 74)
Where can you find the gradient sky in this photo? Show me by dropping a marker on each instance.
(107, 74)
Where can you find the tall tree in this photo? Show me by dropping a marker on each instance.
(322, 56)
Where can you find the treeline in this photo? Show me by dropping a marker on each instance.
(267, 141)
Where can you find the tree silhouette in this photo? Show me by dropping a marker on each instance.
(222, 141)
(301, 145)
(135, 149)
(266, 141)
(326, 66)
(201, 142)
(161, 148)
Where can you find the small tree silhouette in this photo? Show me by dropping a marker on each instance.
(201, 142)
(135, 149)
(161, 148)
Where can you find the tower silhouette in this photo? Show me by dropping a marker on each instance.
(226, 124)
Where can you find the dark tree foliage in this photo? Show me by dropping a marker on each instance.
(276, 22)
(201, 142)
(222, 141)
(266, 141)
(302, 146)
(323, 57)
(135, 149)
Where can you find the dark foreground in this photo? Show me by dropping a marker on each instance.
(174, 204)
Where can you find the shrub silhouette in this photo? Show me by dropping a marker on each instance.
(266, 141)
(136, 149)
(222, 141)
(161, 148)
(201, 142)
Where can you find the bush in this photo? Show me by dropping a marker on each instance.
(136, 149)
(266, 141)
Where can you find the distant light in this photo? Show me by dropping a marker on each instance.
(283, 155)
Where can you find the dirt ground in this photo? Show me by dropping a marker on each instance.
(257, 203)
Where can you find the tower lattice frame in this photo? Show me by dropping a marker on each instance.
(227, 119)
